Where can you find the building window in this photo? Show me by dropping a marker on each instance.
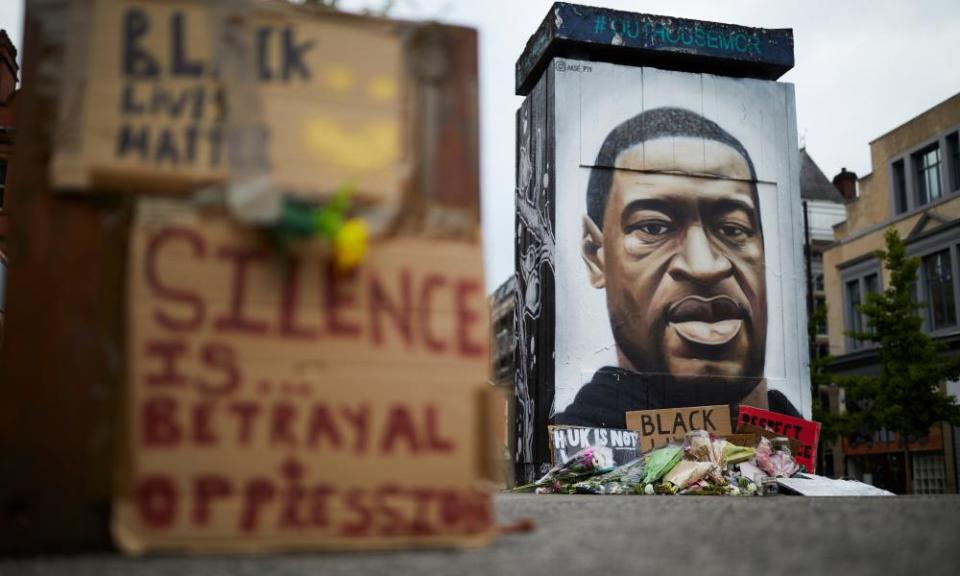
(855, 294)
(821, 302)
(926, 173)
(929, 473)
(871, 283)
(953, 152)
(823, 350)
(938, 276)
(854, 301)
(927, 165)
(818, 282)
(855, 323)
(899, 187)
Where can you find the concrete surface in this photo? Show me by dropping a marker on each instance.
(656, 535)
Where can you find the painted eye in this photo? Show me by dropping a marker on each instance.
(653, 228)
(734, 232)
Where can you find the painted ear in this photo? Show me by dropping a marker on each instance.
(591, 248)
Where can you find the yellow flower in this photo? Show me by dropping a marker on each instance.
(350, 245)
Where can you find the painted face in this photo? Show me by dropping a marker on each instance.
(681, 258)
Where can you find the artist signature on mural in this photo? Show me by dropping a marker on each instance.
(563, 66)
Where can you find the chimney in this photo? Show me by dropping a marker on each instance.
(8, 67)
(846, 183)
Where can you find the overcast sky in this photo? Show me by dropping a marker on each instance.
(862, 68)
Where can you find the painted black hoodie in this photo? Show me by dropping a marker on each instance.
(614, 391)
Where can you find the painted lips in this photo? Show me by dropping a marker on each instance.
(706, 321)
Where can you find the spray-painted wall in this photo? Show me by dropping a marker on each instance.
(535, 253)
(659, 247)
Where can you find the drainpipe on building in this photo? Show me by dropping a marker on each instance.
(807, 256)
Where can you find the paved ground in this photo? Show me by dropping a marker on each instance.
(661, 536)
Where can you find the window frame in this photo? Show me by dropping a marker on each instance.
(952, 156)
(909, 189)
(818, 283)
(922, 174)
(858, 272)
(818, 301)
(928, 245)
(950, 253)
(900, 189)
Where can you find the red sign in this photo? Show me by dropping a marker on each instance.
(806, 431)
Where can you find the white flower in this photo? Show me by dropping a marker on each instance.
(603, 458)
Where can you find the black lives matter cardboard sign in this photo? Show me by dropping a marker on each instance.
(659, 427)
(565, 441)
(176, 94)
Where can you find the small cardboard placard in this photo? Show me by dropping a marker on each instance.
(274, 404)
(754, 433)
(565, 441)
(747, 440)
(659, 427)
(807, 432)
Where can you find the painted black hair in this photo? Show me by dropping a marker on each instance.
(649, 125)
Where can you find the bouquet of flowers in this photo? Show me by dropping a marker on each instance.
(734, 454)
(689, 472)
(584, 464)
(661, 461)
(625, 479)
(697, 446)
(776, 463)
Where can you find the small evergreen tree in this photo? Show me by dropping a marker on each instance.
(906, 397)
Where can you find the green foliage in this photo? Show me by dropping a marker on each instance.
(906, 397)
(300, 219)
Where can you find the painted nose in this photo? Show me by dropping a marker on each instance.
(697, 261)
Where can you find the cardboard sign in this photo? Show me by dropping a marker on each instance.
(565, 441)
(183, 93)
(274, 404)
(659, 427)
(806, 431)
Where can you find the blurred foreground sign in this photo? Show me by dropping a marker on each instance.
(184, 93)
(274, 403)
(267, 404)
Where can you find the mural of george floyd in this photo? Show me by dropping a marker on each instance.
(659, 226)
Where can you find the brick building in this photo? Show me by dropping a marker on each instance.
(914, 187)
